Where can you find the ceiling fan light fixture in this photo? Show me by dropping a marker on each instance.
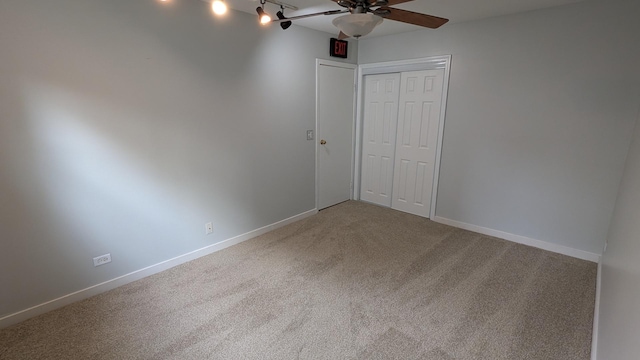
(356, 25)
(219, 7)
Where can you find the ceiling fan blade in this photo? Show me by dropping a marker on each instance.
(396, 2)
(410, 17)
(330, 12)
(342, 36)
(372, 3)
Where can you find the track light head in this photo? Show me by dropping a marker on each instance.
(283, 24)
(219, 7)
(264, 17)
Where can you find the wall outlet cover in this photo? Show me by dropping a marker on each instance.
(102, 259)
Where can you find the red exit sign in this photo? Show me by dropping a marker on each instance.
(338, 48)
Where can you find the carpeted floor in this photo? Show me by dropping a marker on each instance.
(356, 281)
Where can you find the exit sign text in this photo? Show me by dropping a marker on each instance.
(338, 48)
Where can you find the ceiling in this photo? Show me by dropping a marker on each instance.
(454, 10)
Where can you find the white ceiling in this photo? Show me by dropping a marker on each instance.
(454, 10)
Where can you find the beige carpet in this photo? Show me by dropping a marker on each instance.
(356, 281)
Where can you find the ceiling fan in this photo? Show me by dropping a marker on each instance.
(364, 16)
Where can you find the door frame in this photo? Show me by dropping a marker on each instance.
(324, 62)
(427, 63)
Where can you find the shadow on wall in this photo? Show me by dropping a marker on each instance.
(98, 185)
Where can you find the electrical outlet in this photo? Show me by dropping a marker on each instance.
(208, 228)
(309, 134)
(101, 260)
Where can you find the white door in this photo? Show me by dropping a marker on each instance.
(335, 123)
(416, 140)
(379, 125)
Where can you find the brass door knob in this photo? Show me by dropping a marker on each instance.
(322, 142)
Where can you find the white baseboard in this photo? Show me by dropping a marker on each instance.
(560, 249)
(142, 273)
(596, 315)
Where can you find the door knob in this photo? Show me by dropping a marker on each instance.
(322, 142)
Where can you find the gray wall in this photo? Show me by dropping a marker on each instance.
(539, 117)
(126, 125)
(619, 319)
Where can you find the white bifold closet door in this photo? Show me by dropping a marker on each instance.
(416, 141)
(411, 150)
(379, 137)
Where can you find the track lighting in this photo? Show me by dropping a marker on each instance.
(280, 14)
(219, 7)
(264, 17)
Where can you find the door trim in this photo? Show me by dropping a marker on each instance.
(324, 62)
(428, 63)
